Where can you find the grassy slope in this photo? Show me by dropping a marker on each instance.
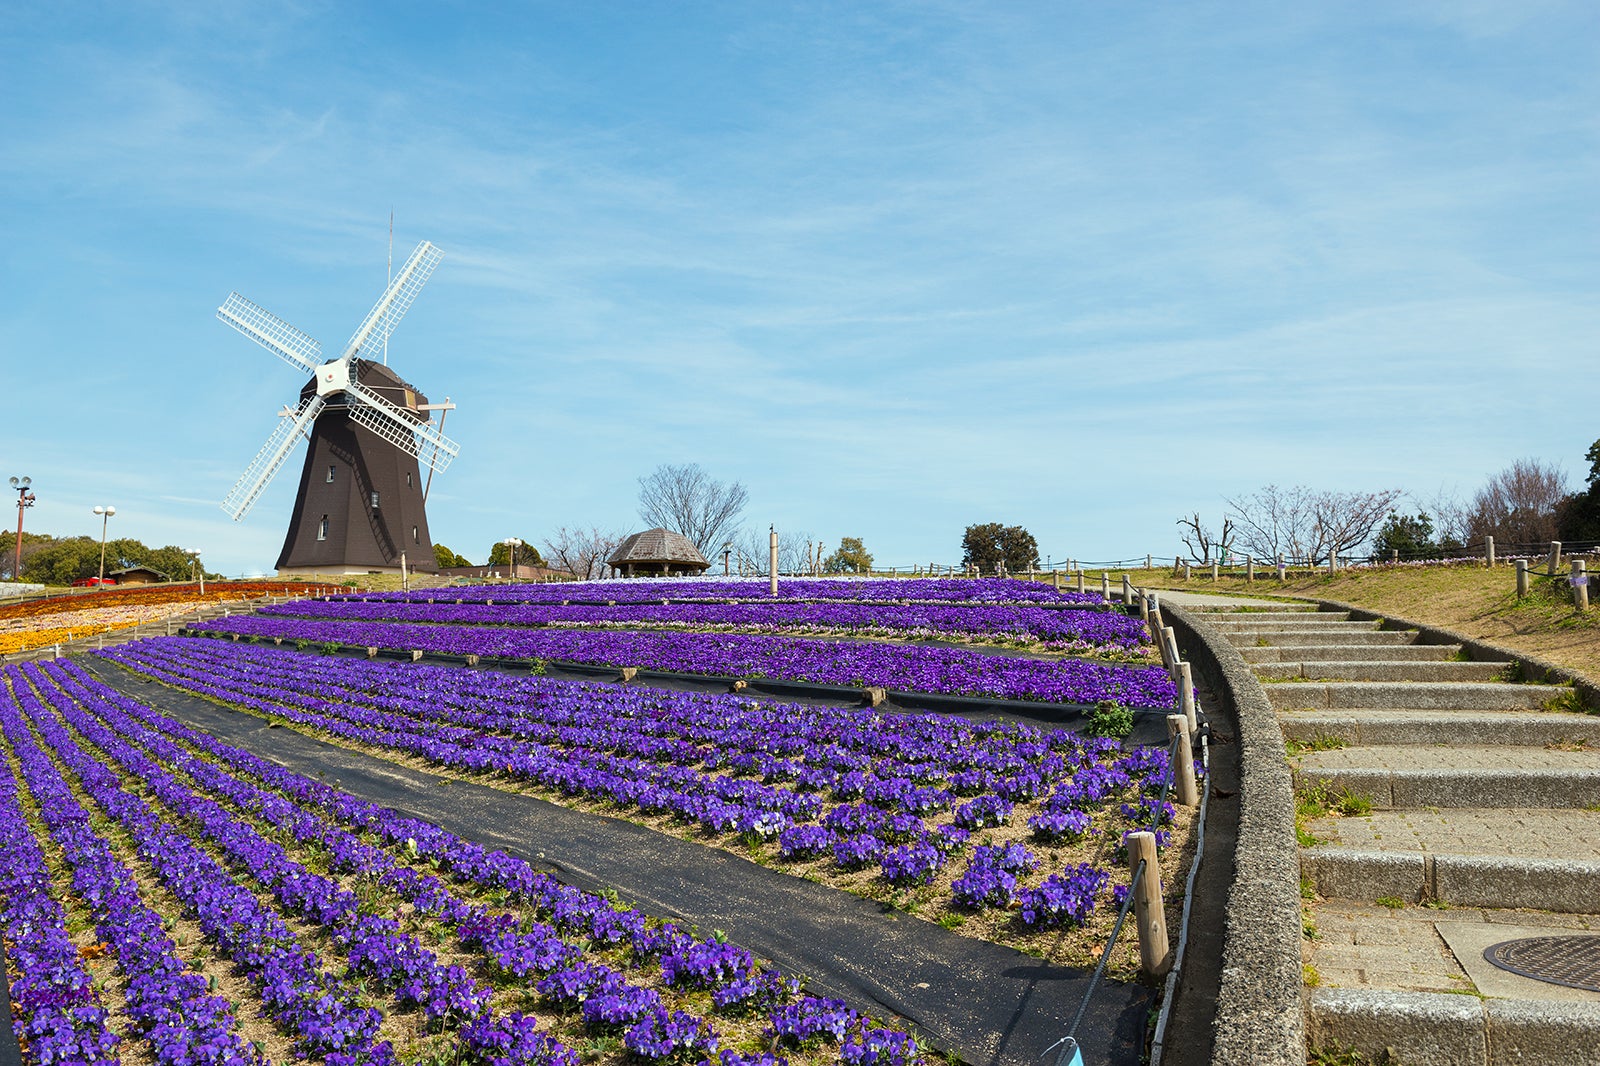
(1475, 601)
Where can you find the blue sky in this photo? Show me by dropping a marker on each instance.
(898, 268)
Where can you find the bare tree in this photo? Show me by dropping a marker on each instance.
(1271, 521)
(795, 552)
(1203, 544)
(582, 553)
(1308, 524)
(1518, 505)
(1346, 520)
(1452, 519)
(687, 500)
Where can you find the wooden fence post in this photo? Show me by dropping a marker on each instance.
(1249, 567)
(1522, 578)
(1580, 585)
(1184, 676)
(1149, 913)
(1555, 558)
(1488, 550)
(1183, 782)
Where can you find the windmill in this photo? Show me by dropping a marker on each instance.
(360, 504)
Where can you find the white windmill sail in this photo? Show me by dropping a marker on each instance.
(405, 428)
(405, 431)
(265, 465)
(271, 332)
(369, 339)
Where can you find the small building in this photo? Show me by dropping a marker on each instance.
(137, 575)
(659, 553)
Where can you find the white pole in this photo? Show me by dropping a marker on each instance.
(772, 559)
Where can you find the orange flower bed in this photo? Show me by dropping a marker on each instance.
(151, 595)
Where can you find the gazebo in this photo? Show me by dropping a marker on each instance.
(659, 552)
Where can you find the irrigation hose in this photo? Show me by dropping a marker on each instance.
(1158, 1041)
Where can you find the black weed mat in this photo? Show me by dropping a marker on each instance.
(990, 1005)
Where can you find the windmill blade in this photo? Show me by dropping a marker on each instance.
(403, 430)
(271, 332)
(369, 340)
(265, 465)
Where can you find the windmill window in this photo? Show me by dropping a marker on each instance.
(408, 479)
(414, 538)
(330, 474)
(374, 501)
(322, 528)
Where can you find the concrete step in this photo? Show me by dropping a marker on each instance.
(1348, 668)
(1311, 623)
(1418, 695)
(1287, 618)
(1416, 776)
(1342, 638)
(1471, 1013)
(1527, 728)
(1475, 857)
(1410, 653)
(1255, 607)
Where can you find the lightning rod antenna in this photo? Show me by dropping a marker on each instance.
(389, 269)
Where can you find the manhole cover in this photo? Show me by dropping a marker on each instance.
(1573, 961)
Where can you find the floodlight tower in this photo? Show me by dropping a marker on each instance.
(25, 500)
(194, 564)
(105, 514)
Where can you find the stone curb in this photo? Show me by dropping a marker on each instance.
(1531, 666)
(1436, 1029)
(1259, 1020)
(1394, 789)
(1565, 886)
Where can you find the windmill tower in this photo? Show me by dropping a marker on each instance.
(360, 504)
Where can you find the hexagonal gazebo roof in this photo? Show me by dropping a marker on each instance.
(658, 551)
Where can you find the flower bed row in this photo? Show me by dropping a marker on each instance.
(680, 590)
(366, 843)
(1078, 629)
(917, 668)
(849, 790)
(219, 591)
(21, 634)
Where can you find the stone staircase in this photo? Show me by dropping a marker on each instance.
(1443, 809)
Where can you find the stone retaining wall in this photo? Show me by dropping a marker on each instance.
(1260, 1019)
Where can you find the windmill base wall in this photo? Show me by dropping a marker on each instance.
(344, 466)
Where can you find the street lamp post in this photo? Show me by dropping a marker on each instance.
(24, 500)
(727, 553)
(105, 514)
(513, 543)
(194, 564)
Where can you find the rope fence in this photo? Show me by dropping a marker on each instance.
(1145, 899)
